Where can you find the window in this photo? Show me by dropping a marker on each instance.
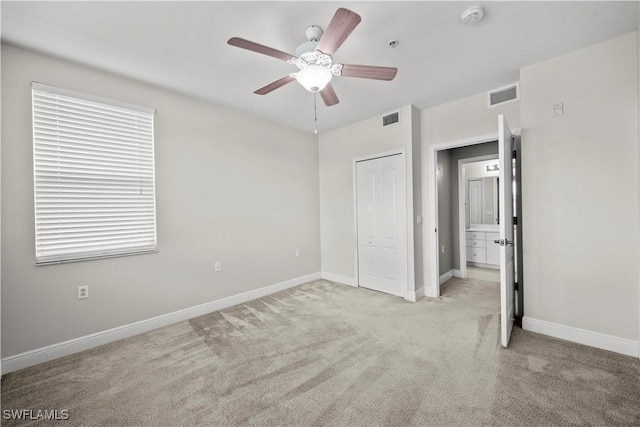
(93, 176)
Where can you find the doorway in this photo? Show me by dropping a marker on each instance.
(505, 236)
(478, 218)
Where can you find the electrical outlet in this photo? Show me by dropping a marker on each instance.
(218, 266)
(558, 109)
(83, 292)
(298, 252)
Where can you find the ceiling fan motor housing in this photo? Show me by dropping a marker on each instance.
(313, 33)
(307, 50)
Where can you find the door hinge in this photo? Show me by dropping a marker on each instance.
(514, 154)
(515, 286)
(515, 220)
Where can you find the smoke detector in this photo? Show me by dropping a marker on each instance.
(473, 14)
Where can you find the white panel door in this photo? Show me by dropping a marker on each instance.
(382, 224)
(507, 266)
(475, 201)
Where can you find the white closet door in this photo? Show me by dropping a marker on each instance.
(382, 224)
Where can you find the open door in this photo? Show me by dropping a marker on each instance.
(507, 268)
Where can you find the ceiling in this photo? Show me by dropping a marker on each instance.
(182, 46)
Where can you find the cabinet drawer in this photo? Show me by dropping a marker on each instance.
(493, 236)
(479, 235)
(477, 255)
(474, 243)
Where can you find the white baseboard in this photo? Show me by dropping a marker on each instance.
(582, 336)
(457, 273)
(55, 351)
(345, 280)
(415, 296)
(446, 276)
(431, 292)
(481, 265)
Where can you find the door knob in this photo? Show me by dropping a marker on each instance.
(503, 242)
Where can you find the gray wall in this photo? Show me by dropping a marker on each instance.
(580, 187)
(417, 196)
(445, 218)
(229, 187)
(0, 236)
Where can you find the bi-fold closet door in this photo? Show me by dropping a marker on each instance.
(381, 203)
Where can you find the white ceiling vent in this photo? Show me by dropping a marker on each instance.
(504, 94)
(390, 119)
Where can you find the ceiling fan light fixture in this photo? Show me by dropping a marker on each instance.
(314, 78)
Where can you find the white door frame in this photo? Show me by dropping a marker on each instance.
(433, 288)
(462, 223)
(409, 293)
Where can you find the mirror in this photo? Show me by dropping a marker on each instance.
(482, 201)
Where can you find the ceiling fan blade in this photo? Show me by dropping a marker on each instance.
(256, 47)
(329, 96)
(274, 85)
(369, 72)
(341, 25)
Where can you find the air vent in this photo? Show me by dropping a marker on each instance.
(390, 119)
(503, 95)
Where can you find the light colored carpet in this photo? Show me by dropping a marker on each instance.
(327, 354)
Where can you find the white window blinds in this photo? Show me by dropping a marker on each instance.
(94, 176)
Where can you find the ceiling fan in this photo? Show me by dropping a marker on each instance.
(314, 61)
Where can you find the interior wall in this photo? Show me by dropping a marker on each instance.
(0, 222)
(417, 197)
(337, 151)
(461, 119)
(579, 186)
(229, 187)
(445, 218)
(465, 118)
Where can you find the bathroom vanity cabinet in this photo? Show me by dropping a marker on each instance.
(482, 251)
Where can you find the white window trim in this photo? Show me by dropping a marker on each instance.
(87, 97)
(151, 245)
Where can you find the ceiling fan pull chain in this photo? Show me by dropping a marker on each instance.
(315, 113)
